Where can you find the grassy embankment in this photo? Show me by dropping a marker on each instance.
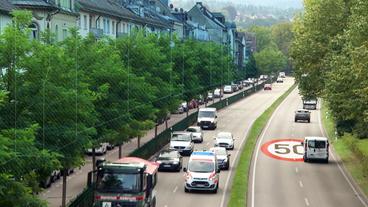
(239, 188)
(352, 151)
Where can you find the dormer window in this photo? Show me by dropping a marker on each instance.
(65, 4)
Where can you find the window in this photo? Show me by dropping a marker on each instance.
(65, 4)
(56, 32)
(104, 26)
(85, 22)
(34, 31)
(113, 27)
(98, 24)
(65, 34)
(108, 26)
(115, 182)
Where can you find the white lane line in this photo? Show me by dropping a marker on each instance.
(233, 160)
(301, 184)
(339, 166)
(175, 189)
(306, 201)
(296, 170)
(258, 147)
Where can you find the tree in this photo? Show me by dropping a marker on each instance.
(264, 37)
(270, 60)
(251, 68)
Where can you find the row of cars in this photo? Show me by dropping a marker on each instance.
(202, 171)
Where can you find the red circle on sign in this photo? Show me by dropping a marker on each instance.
(266, 145)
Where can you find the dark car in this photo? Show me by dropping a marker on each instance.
(169, 160)
(302, 115)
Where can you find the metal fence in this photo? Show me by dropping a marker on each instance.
(85, 199)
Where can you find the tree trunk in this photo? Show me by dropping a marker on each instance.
(63, 198)
(166, 125)
(120, 151)
(139, 141)
(187, 108)
(156, 130)
(93, 164)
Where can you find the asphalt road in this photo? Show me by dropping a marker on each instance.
(280, 183)
(237, 119)
(77, 181)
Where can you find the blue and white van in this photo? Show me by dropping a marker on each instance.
(202, 172)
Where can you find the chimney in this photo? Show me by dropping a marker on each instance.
(171, 6)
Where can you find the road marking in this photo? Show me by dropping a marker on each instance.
(338, 164)
(233, 160)
(258, 148)
(301, 184)
(296, 170)
(306, 201)
(284, 149)
(175, 189)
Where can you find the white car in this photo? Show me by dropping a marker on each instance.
(228, 89)
(316, 148)
(224, 139)
(100, 150)
(217, 93)
(202, 173)
(182, 142)
(223, 158)
(210, 96)
(197, 133)
(279, 80)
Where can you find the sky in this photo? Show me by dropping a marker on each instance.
(284, 4)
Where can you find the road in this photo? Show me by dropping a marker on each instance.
(77, 181)
(237, 119)
(282, 183)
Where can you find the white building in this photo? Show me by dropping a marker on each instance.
(5, 17)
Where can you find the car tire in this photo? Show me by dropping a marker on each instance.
(308, 120)
(186, 190)
(326, 160)
(215, 190)
(153, 204)
(228, 165)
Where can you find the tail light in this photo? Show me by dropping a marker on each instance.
(98, 197)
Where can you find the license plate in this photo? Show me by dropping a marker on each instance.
(106, 204)
(205, 126)
(200, 185)
(167, 165)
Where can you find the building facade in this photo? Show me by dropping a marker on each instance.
(5, 17)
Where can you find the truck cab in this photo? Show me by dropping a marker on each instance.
(310, 104)
(207, 118)
(129, 181)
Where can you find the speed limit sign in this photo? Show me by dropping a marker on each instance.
(284, 149)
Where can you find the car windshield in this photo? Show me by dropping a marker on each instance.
(227, 87)
(118, 182)
(206, 114)
(168, 155)
(316, 144)
(219, 151)
(202, 166)
(224, 136)
(192, 130)
(312, 101)
(180, 137)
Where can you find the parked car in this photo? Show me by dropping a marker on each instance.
(100, 160)
(228, 89)
(197, 133)
(224, 139)
(218, 93)
(99, 150)
(267, 87)
(55, 175)
(279, 80)
(201, 100)
(209, 96)
(302, 114)
(235, 87)
(240, 85)
(223, 157)
(169, 160)
(182, 108)
(193, 104)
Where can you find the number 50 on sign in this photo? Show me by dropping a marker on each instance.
(284, 149)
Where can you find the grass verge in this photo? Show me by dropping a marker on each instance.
(239, 189)
(344, 147)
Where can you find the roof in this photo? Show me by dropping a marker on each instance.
(107, 7)
(224, 134)
(6, 6)
(208, 14)
(207, 109)
(151, 166)
(317, 138)
(203, 153)
(33, 3)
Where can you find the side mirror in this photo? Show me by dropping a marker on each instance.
(185, 169)
(218, 170)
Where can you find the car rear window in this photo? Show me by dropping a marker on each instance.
(316, 144)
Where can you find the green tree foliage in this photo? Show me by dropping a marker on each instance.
(330, 53)
(270, 60)
(252, 70)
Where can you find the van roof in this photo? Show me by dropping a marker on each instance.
(316, 138)
(205, 155)
(208, 109)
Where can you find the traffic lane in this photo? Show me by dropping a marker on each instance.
(310, 184)
(237, 119)
(77, 181)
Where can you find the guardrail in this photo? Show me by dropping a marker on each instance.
(85, 199)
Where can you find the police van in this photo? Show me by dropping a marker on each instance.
(202, 172)
(316, 148)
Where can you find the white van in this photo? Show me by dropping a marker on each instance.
(207, 118)
(202, 173)
(316, 148)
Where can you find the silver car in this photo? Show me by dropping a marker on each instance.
(196, 133)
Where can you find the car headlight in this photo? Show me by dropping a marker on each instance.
(158, 161)
(188, 147)
(175, 162)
